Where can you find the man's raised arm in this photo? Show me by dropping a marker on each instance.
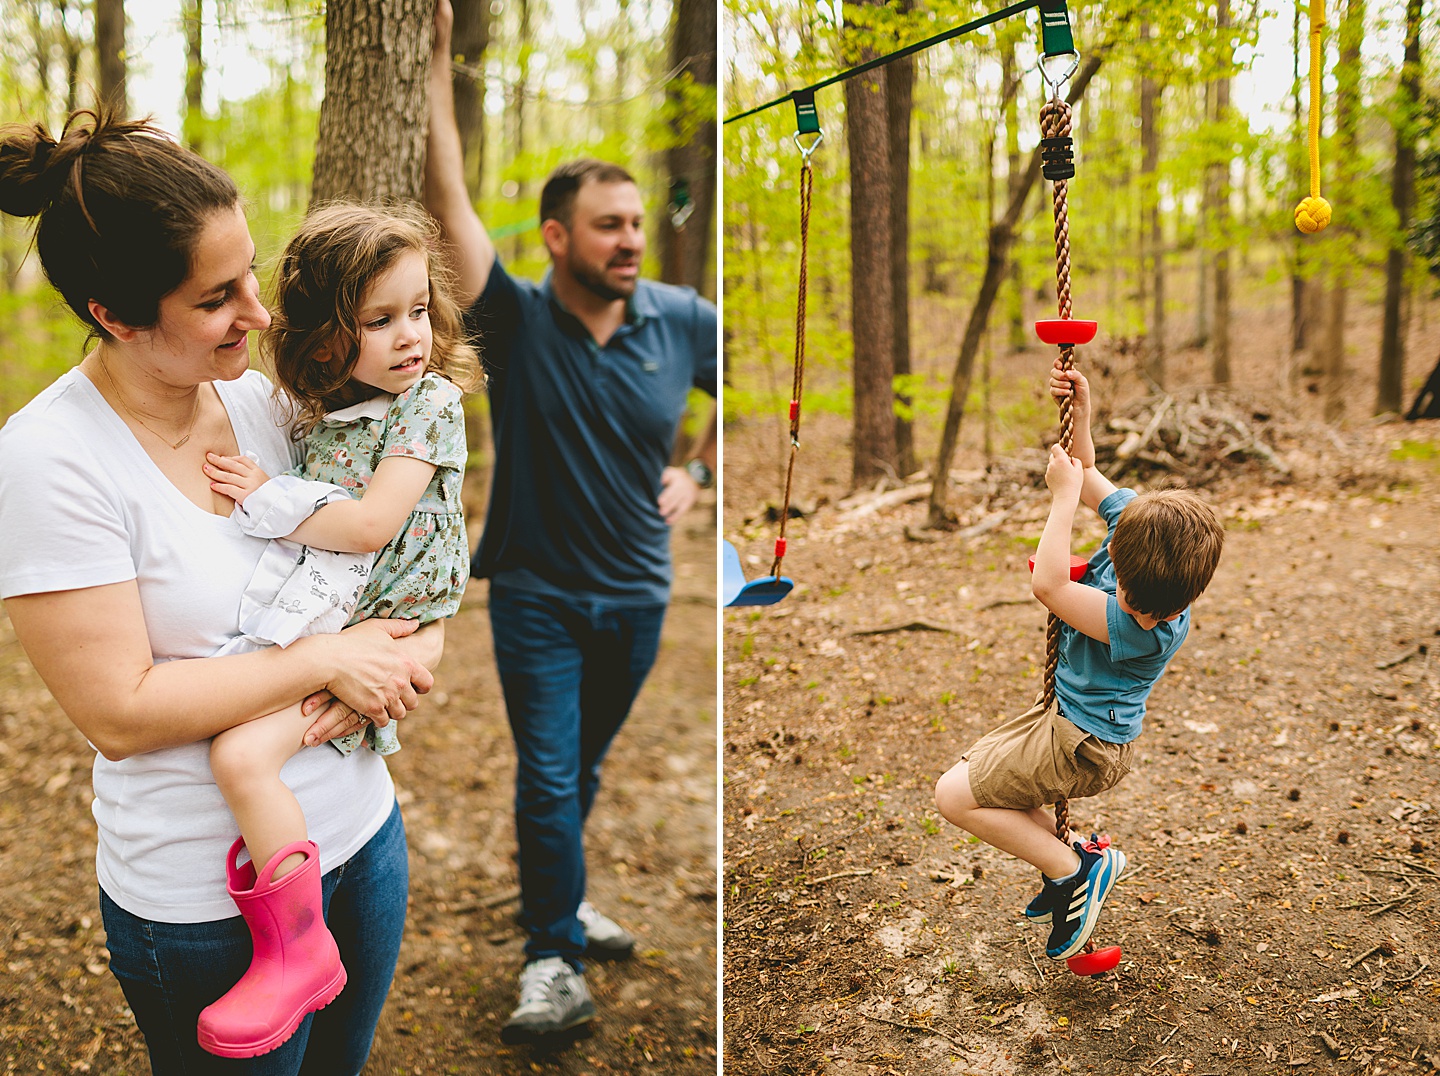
(468, 246)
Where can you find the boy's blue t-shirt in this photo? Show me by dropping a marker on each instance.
(1102, 689)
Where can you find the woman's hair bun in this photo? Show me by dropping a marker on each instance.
(34, 167)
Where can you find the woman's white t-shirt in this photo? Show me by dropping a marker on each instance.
(82, 505)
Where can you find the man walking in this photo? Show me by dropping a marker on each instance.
(589, 374)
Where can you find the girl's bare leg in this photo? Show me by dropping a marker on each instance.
(246, 762)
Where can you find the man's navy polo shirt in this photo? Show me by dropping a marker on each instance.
(582, 433)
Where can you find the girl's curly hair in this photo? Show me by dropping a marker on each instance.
(313, 341)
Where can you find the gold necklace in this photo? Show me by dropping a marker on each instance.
(194, 411)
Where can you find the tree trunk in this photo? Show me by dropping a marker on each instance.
(194, 16)
(1347, 107)
(110, 50)
(1019, 331)
(1001, 235)
(1402, 195)
(374, 118)
(899, 95)
(72, 46)
(871, 310)
(471, 39)
(518, 100)
(1299, 319)
(1203, 231)
(1152, 227)
(1220, 345)
(685, 255)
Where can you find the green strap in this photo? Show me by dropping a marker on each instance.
(909, 50)
(807, 120)
(1055, 36)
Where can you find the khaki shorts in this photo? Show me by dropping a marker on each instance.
(1040, 757)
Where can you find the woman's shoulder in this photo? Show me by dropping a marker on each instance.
(62, 419)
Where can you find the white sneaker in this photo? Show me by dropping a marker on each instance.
(605, 939)
(553, 998)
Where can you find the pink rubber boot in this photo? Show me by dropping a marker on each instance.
(296, 967)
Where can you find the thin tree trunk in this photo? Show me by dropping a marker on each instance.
(72, 46)
(110, 49)
(899, 92)
(471, 39)
(1019, 331)
(1205, 239)
(685, 251)
(373, 120)
(1002, 233)
(1402, 194)
(1298, 320)
(871, 310)
(1151, 227)
(1347, 105)
(194, 16)
(1220, 346)
(519, 100)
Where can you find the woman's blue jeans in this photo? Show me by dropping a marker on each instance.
(570, 667)
(170, 971)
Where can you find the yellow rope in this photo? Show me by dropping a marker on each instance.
(1313, 213)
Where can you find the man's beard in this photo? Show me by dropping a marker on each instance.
(594, 281)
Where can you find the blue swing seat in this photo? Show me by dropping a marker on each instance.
(767, 590)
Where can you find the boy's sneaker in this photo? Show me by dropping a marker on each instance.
(553, 998)
(605, 939)
(1076, 902)
(1038, 910)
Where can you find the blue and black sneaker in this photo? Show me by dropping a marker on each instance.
(1038, 910)
(1077, 900)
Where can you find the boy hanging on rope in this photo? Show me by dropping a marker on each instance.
(1121, 626)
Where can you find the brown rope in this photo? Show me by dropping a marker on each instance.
(1055, 123)
(807, 180)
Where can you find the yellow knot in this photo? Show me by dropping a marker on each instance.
(1312, 214)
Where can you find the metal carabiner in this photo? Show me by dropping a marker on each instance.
(807, 151)
(1070, 58)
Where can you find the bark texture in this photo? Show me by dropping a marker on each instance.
(871, 309)
(374, 118)
(110, 50)
(686, 253)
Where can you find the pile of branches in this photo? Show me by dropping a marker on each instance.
(1195, 438)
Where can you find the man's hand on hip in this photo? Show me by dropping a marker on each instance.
(678, 493)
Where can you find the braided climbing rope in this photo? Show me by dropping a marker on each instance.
(1055, 124)
(1313, 213)
(807, 180)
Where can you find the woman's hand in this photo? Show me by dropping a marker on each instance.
(423, 648)
(374, 675)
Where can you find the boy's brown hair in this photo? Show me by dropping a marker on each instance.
(1165, 548)
(313, 341)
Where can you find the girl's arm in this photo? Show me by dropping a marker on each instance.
(363, 525)
(92, 649)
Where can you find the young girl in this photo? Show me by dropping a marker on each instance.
(367, 346)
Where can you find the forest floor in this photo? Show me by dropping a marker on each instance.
(651, 847)
(1279, 912)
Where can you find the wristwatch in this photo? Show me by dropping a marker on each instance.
(704, 477)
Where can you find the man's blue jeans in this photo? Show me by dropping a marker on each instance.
(570, 667)
(170, 971)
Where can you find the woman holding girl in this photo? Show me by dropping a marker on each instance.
(123, 573)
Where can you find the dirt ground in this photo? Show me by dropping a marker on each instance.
(651, 846)
(1279, 913)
